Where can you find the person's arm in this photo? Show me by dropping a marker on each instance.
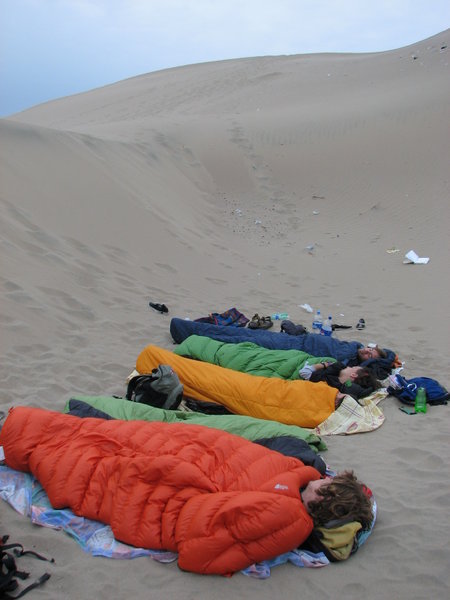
(323, 365)
(308, 370)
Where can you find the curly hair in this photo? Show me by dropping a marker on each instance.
(343, 498)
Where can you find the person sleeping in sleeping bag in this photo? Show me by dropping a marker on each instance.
(379, 360)
(218, 500)
(357, 382)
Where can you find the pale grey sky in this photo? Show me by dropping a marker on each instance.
(55, 48)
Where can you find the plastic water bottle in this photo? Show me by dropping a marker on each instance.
(317, 322)
(280, 316)
(327, 327)
(420, 403)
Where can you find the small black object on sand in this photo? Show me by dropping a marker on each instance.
(161, 308)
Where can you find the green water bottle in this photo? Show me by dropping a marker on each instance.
(420, 404)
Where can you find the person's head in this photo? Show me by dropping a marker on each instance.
(368, 352)
(349, 374)
(340, 497)
(366, 379)
(360, 375)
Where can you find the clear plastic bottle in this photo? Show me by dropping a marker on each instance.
(420, 403)
(317, 322)
(280, 316)
(327, 327)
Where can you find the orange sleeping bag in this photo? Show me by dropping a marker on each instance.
(301, 403)
(220, 501)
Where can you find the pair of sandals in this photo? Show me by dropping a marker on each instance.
(258, 322)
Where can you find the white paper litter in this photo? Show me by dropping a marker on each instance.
(412, 258)
(306, 307)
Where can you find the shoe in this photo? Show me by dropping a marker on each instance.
(361, 324)
(161, 308)
(255, 322)
(258, 322)
(265, 323)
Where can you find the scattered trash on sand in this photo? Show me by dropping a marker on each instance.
(412, 258)
(392, 250)
(307, 307)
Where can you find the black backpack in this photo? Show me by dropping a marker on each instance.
(9, 572)
(160, 388)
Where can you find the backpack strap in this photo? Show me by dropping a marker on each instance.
(23, 552)
(42, 579)
(9, 572)
(132, 385)
(136, 380)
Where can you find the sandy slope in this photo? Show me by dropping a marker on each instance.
(205, 187)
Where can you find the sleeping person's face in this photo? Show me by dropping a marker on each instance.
(310, 494)
(349, 373)
(368, 352)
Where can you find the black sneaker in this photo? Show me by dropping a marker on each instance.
(361, 324)
(161, 308)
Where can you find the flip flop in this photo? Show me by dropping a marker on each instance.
(161, 308)
(361, 324)
(335, 326)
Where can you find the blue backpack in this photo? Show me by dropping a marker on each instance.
(406, 390)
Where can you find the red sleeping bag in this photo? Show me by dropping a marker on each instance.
(217, 499)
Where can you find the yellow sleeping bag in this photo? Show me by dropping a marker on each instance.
(299, 402)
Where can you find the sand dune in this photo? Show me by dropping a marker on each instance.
(262, 183)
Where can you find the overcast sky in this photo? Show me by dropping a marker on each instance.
(55, 48)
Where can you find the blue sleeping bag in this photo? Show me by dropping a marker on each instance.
(316, 345)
